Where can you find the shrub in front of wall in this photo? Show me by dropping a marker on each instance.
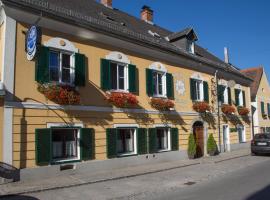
(211, 146)
(192, 147)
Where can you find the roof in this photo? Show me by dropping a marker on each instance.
(94, 16)
(255, 74)
(182, 34)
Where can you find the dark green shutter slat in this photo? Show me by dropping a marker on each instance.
(237, 93)
(111, 134)
(169, 86)
(149, 82)
(268, 109)
(230, 96)
(262, 108)
(132, 78)
(87, 143)
(80, 69)
(192, 89)
(206, 91)
(244, 98)
(42, 65)
(174, 139)
(43, 146)
(221, 90)
(152, 132)
(142, 140)
(105, 76)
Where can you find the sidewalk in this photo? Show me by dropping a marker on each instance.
(79, 179)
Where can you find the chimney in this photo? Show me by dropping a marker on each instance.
(226, 55)
(147, 14)
(107, 3)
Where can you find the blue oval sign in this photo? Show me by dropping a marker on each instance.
(31, 42)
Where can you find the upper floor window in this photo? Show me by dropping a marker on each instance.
(224, 94)
(118, 74)
(61, 67)
(199, 90)
(159, 83)
(60, 63)
(190, 46)
(240, 98)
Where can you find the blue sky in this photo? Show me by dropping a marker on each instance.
(241, 25)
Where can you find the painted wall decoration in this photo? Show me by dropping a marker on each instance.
(180, 88)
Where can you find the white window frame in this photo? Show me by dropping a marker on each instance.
(169, 138)
(200, 84)
(71, 126)
(72, 66)
(164, 85)
(243, 133)
(129, 126)
(190, 47)
(126, 77)
(241, 98)
(226, 96)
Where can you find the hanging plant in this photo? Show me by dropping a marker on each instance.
(162, 104)
(60, 94)
(228, 109)
(243, 111)
(201, 107)
(121, 99)
(264, 115)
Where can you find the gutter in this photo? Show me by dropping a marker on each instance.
(103, 27)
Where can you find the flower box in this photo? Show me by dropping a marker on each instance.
(264, 115)
(201, 107)
(228, 109)
(121, 99)
(60, 94)
(162, 104)
(243, 111)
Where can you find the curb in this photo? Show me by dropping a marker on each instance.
(96, 181)
(223, 160)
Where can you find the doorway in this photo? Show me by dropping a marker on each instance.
(198, 132)
(226, 138)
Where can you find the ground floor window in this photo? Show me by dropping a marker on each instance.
(241, 134)
(163, 139)
(64, 144)
(125, 141)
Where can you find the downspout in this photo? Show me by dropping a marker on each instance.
(218, 112)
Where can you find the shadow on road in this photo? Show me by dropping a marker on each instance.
(260, 195)
(18, 197)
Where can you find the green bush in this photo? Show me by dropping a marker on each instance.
(191, 146)
(211, 146)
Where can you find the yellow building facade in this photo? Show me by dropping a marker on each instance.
(37, 131)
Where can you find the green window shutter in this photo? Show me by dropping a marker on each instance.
(262, 108)
(105, 74)
(42, 65)
(132, 78)
(174, 139)
(230, 96)
(193, 89)
(149, 82)
(169, 86)
(206, 91)
(87, 143)
(221, 90)
(142, 141)
(80, 69)
(244, 98)
(43, 146)
(111, 134)
(237, 93)
(268, 109)
(152, 132)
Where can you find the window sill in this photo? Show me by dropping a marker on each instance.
(57, 162)
(126, 154)
(162, 151)
(160, 96)
(120, 91)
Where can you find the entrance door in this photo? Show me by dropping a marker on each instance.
(198, 131)
(226, 138)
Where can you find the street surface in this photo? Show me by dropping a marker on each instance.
(245, 178)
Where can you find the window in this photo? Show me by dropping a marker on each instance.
(61, 67)
(126, 141)
(241, 134)
(119, 76)
(163, 139)
(64, 144)
(263, 110)
(198, 90)
(159, 83)
(240, 99)
(190, 46)
(224, 94)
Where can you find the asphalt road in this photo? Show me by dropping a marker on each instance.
(251, 183)
(245, 178)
